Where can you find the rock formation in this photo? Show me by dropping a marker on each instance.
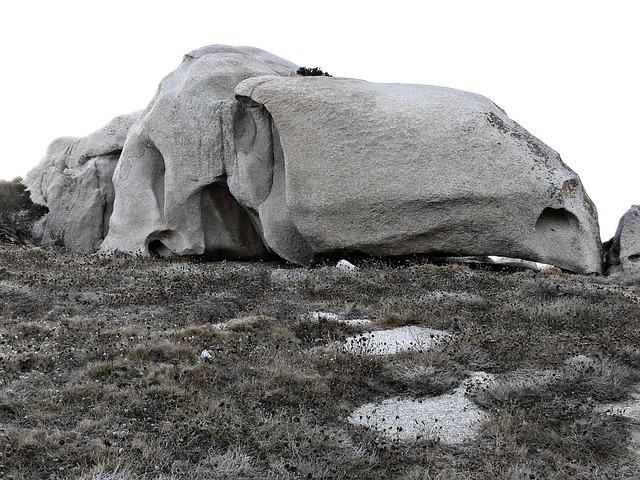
(399, 169)
(74, 181)
(623, 254)
(185, 183)
(237, 157)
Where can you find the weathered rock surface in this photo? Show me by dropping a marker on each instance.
(398, 169)
(187, 182)
(74, 181)
(236, 157)
(623, 255)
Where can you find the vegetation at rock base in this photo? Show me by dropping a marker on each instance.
(101, 374)
(18, 213)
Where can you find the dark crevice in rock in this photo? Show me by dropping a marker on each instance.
(556, 220)
(157, 248)
(228, 226)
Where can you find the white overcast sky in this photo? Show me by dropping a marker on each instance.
(566, 70)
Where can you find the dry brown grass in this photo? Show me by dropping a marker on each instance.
(101, 375)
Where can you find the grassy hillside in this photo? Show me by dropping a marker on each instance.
(101, 375)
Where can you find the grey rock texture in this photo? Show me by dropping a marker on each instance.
(623, 255)
(74, 181)
(391, 169)
(237, 157)
(198, 164)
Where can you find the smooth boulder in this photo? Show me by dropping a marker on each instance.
(73, 181)
(623, 254)
(393, 169)
(186, 183)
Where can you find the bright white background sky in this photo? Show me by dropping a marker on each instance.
(565, 70)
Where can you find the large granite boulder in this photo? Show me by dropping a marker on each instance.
(185, 184)
(74, 181)
(392, 169)
(237, 157)
(623, 250)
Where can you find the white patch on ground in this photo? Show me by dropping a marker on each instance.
(451, 418)
(7, 287)
(336, 317)
(630, 409)
(331, 317)
(389, 342)
(356, 321)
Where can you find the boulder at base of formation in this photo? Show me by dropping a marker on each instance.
(623, 255)
(74, 181)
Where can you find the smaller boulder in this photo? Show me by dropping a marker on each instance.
(74, 180)
(623, 250)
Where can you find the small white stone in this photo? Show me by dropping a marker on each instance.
(336, 317)
(346, 266)
(205, 354)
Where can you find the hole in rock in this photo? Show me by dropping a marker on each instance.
(634, 258)
(556, 220)
(156, 247)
